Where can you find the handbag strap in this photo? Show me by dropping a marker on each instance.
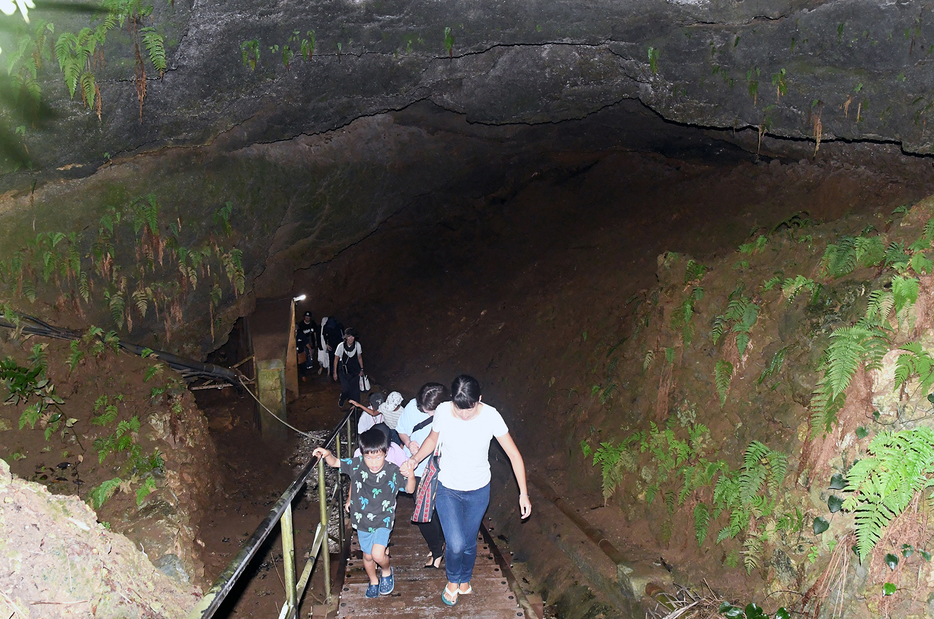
(422, 424)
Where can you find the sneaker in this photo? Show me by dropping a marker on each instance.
(386, 584)
(373, 591)
(340, 401)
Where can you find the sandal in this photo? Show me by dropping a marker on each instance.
(467, 592)
(446, 593)
(433, 563)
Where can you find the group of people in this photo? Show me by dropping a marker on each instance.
(394, 448)
(336, 351)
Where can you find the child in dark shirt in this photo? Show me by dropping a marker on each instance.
(374, 485)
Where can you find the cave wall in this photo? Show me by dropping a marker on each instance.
(314, 154)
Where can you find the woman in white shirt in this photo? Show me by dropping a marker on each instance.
(465, 428)
(414, 427)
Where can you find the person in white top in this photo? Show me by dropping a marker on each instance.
(348, 366)
(414, 427)
(464, 428)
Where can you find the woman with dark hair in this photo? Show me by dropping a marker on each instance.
(348, 366)
(413, 428)
(464, 429)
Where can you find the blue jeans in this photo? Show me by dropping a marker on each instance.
(461, 513)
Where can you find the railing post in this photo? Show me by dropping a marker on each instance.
(340, 490)
(288, 560)
(325, 550)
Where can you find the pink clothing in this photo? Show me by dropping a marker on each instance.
(394, 455)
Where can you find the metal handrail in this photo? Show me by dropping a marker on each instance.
(281, 513)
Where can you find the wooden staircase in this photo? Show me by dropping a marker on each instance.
(417, 593)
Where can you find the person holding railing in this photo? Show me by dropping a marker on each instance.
(464, 428)
(374, 484)
(414, 427)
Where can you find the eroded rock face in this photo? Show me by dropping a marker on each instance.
(106, 575)
(833, 69)
(407, 103)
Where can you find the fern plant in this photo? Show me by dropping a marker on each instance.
(882, 485)
(723, 374)
(740, 316)
(915, 362)
(774, 366)
(754, 247)
(614, 462)
(842, 258)
(694, 271)
(744, 493)
(681, 318)
(849, 346)
(791, 287)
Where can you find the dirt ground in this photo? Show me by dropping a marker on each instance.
(529, 292)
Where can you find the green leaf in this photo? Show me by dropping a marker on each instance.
(837, 482)
(891, 560)
(781, 613)
(731, 612)
(921, 264)
(834, 503)
(723, 374)
(820, 525)
(925, 555)
(889, 588)
(753, 611)
(862, 432)
(145, 489)
(907, 550)
(100, 494)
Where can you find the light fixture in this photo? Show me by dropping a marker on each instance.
(300, 297)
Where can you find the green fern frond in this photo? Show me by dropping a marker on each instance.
(778, 466)
(117, 307)
(839, 258)
(694, 271)
(155, 48)
(883, 485)
(701, 522)
(896, 257)
(670, 502)
(752, 552)
(720, 324)
(723, 534)
(723, 374)
(771, 283)
(824, 408)
(775, 365)
(881, 304)
(792, 287)
(847, 348)
(870, 251)
(725, 494)
(739, 520)
(88, 88)
(904, 291)
(916, 361)
(103, 492)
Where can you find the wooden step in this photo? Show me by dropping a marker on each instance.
(417, 592)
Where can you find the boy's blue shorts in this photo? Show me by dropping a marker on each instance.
(368, 540)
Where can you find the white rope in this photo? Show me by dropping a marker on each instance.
(279, 419)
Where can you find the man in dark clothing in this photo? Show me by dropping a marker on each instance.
(306, 339)
(333, 332)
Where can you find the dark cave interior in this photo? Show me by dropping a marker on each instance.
(500, 283)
